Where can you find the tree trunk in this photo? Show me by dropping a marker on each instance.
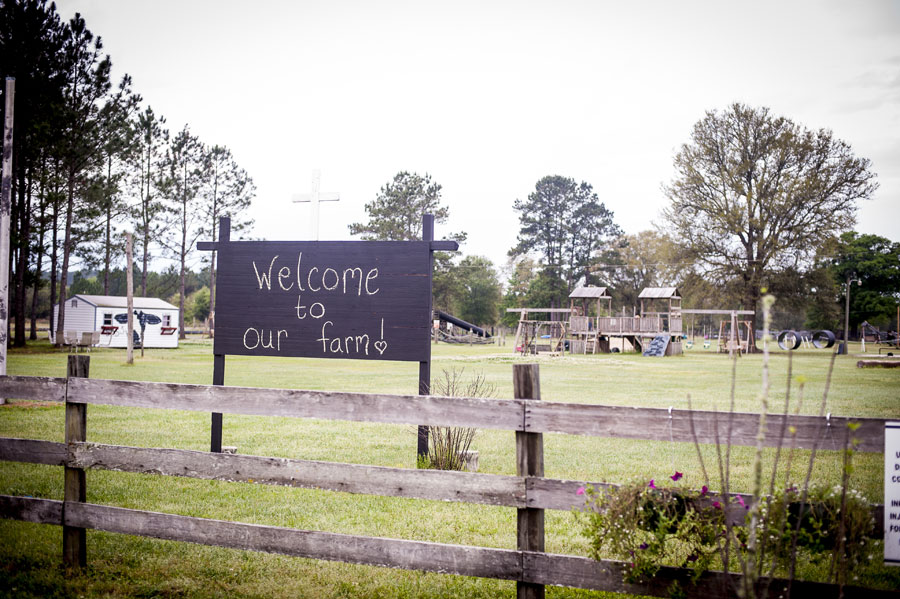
(108, 249)
(67, 249)
(145, 232)
(42, 227)
(22, 266)
(212, 260)
(40, 254)
(54, 258)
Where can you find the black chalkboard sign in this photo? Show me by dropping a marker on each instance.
(365, 300)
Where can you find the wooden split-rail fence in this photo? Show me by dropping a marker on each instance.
(529, 491)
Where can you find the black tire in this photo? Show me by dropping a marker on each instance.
(823, 339)
(782, 340)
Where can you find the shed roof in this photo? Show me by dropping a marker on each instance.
(115, 301)
(659, 293)
(591, 292)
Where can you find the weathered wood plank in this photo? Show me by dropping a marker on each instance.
(351, 478)
(31, 509)
(656, 423)
(878, 364)
(393, 553)
(364, 407)
(39, 388)
(606, 575)
(75, 484)
(529, 463)
(31, 451)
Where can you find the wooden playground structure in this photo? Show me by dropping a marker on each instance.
(734, 335)
(593, 333)
(540, 336)
(589, 325)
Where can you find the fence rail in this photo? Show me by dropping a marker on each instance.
(529, 491)
(516, 414)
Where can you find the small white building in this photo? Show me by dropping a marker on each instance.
(89, 313)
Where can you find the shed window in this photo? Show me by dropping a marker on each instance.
(167, 320)
(107, 318)
(74, 303)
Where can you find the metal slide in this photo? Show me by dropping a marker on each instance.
(461, 323)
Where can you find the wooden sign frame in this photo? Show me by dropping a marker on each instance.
(368, 300)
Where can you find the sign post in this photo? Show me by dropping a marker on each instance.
(358, 300)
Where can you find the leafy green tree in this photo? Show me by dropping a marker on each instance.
(181, 189)
(565, 223)
(645, 259)
(481, 291)
(228, 191)
(86, 98)
(152, 138)
(31, 50)
(522, 271)
(754, 194)
(875, 261)
(446, 287)
(118, 151)
(199, 301)
(396, 213)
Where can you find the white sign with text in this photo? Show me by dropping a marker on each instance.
(892, 493)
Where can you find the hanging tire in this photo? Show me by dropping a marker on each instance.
(785, 344)
(823, 339)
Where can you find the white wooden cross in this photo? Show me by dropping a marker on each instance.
(314, 198)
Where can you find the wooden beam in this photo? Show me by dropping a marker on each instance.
(503, 564)
(654, 423)
(541, 310)
(31, 509)
(38, 388)
(607, 575)
(720, 312)
(360, 407)
(529, 463)
(444, 245)
(441, 485)
(75, 488)
(531, 567)
(31, 451)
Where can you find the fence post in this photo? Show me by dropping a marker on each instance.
(75, 539)
(529, 462)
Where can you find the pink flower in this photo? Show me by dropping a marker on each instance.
(717, 505)
(652, 484)
(741, 501)
(677, 476)
(704, 491)
(580, 491)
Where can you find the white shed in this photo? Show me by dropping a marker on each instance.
(88, 313)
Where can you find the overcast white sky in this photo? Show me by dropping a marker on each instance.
(488, 97)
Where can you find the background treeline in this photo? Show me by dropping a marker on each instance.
(92, 160)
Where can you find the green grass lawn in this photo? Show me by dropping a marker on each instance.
(127, 566)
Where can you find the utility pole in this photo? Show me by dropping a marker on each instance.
(5, 209)
(846, 348)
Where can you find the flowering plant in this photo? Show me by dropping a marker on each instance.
(649, 525)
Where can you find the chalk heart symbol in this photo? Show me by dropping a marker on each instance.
(380, 345)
